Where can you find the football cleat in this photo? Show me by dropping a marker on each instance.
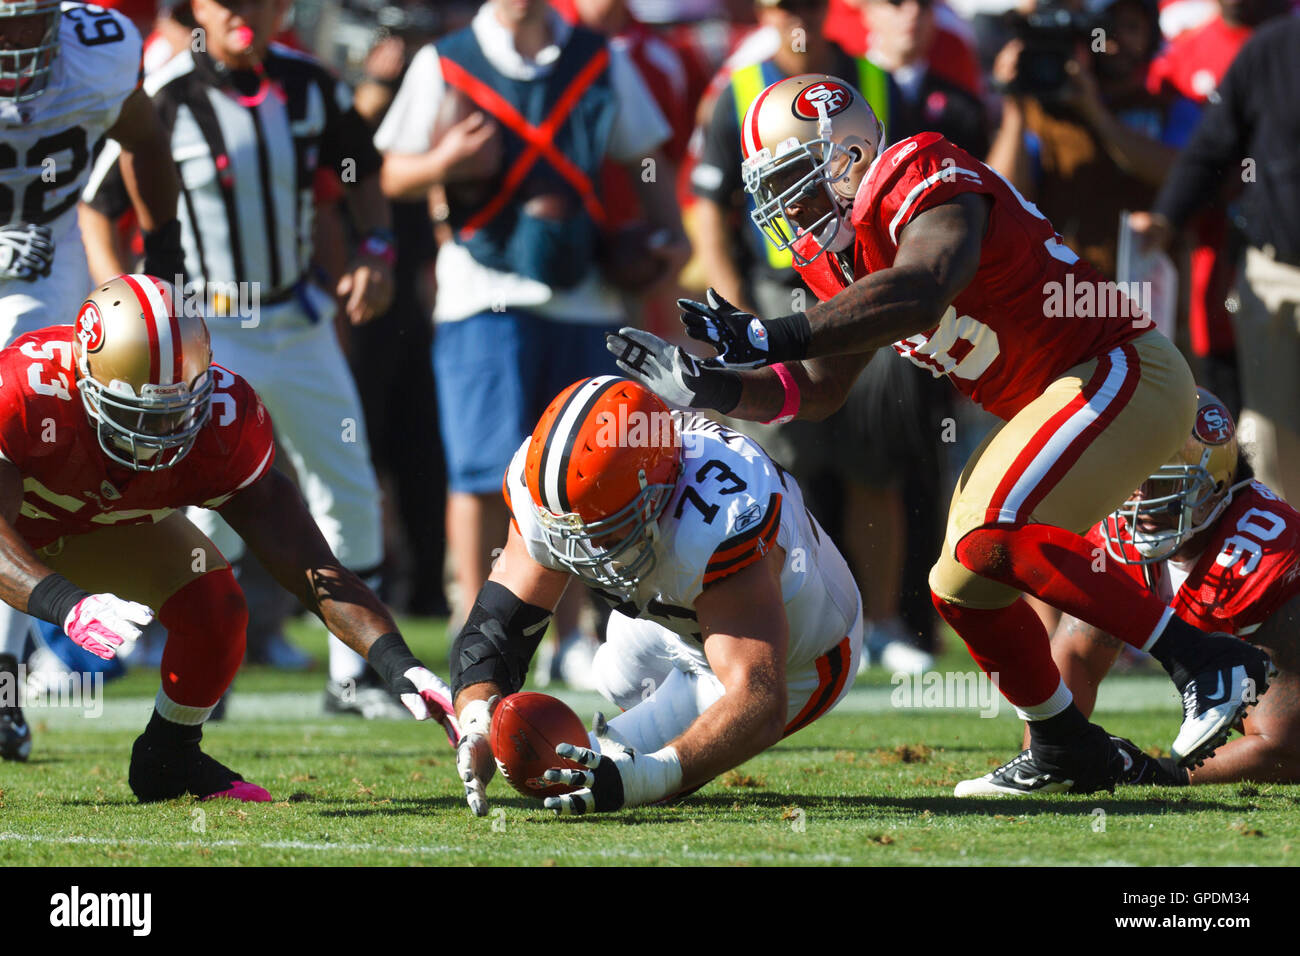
(1229, 679)
(166, 772)
(1092, 764)
(366, 696)
(15, 734)
(1141, 769)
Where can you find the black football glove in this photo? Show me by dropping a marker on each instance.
(163, 255)
(742, 339)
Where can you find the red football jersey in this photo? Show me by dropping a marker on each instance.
(71, 487)
(1030, 312)
(1250, 566)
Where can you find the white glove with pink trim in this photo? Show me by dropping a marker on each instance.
(106, 625)
(427, 696)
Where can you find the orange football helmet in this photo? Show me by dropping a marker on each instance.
(1193, 489)
(144, 372)
(808, 140)
(600, 468)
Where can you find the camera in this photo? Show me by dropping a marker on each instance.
(1050, 35)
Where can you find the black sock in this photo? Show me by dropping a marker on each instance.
(160, 730)
(1065, 727)
(1169, 766)
(1178, 642)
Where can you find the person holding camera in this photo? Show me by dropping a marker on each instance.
(1081, 136)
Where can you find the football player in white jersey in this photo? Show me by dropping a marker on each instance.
(736, 621)
(69, 75)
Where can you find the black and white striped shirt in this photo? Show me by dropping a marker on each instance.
(247, 148)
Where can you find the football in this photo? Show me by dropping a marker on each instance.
(526, 728)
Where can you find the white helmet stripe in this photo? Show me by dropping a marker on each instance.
(159, 316)
(560, 442)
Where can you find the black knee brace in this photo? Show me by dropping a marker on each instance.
(498, 641)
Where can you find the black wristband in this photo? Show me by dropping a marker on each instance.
(788, 337)
(718, 389)
(53, 599)
(391, 658)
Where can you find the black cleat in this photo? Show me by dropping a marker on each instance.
(1229, 678)
(1090, 764)
(163, 772)
(15, 734)
(1141, 769)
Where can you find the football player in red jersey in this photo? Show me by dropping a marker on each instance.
(108, 427)
(1220, 547)
(922, 247)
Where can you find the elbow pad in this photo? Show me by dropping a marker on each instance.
(497, 642)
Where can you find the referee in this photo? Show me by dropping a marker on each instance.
(250, 125)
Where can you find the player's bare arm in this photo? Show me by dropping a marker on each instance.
(530, 583)
(743, 621)
(490, 656)
(1270, 749)
(20, 569)
(273, 520)
(99, 623)
(151, 181)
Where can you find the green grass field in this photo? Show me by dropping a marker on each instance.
(870, 784)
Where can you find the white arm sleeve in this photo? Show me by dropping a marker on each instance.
(408, 125)
(639, 125)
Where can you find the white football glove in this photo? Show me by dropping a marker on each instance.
(474, 762)
(106, 625)
(424, 694)
(676, 376)
(26, 251)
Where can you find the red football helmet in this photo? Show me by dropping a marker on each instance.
(601, 466)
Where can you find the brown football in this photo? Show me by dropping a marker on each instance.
(526, 728)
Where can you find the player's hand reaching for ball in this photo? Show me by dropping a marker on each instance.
(474, 762)
(616, 777)
(106, 625)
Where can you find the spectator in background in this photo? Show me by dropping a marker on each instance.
(1096, 143)
(1191, 66)
(521, 311)
(902, 34)
(1249, 135)
(951, 55)
(835, 461)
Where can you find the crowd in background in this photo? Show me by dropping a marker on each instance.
(521, 239)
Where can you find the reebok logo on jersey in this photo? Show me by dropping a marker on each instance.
(748, 518)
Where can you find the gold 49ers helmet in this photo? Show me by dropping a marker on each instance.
(1185, 496)
(600, 468)
(143, 371)
(807, 141)
(29, 41)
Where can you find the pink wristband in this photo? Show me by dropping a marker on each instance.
(791, 406)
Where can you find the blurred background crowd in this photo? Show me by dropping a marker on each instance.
(538, 200)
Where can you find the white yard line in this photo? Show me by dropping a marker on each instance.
(465, 852)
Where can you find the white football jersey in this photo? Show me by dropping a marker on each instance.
(47, 146)
(731, 506)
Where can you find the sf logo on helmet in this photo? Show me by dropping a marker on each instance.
(830, 97)
(90, 328)
(1214, 425)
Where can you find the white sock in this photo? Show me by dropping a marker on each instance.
(345, 663)
(1061, 699)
